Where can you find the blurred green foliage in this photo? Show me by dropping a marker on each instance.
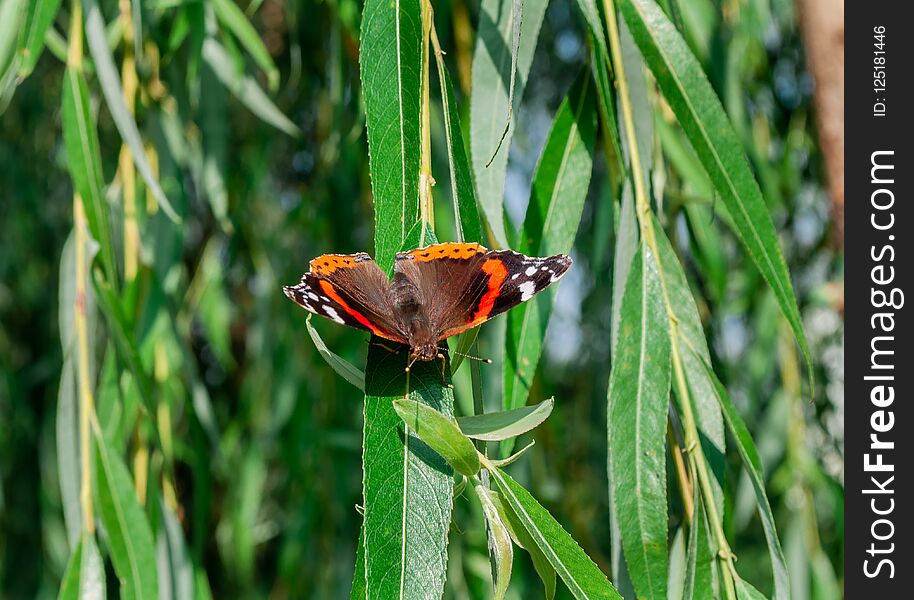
(256, 453)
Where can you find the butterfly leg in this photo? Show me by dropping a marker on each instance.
(371, 342)
(443, 365)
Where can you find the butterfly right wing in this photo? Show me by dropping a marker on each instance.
(349, 289)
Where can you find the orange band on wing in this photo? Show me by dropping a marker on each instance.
(331, 293)
(497, 273)
(445, 250)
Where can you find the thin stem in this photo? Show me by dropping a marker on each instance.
(682, 478)
(126, 168)
(86, 400)
(426, 181)
(645, 221)
(75, 47)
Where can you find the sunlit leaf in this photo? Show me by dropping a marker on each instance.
(343, 367)
(492, 75)
(235, 20)
(501, 551)
(505, 424)
(638, 398)
(38, 20)
(84, 578)
(441, 434)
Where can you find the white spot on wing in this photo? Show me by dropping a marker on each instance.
(527, 289)
(312, 295)
(530, 271)
(515, 276)
(331, 312)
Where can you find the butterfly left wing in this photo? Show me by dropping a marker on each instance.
(349, 289)
(466, 284)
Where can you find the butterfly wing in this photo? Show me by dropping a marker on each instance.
(466, 285)
(349, 289)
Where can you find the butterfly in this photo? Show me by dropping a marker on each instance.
(436, 292)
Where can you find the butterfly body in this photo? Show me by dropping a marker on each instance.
(436, 292)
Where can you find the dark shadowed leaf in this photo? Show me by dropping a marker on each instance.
(233, 18)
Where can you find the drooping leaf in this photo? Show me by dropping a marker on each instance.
(501, 552)
(110, 83)
(84, 163)
(245, 88)
(234, 19)
(638, 398)
(407, 485)
(745, 591)
(343, 367)
(522, 538)
(577, 570)
(753, 466)
(84, 578)
(492, 69)
(175, 567)
(129, 536)
(699, 576)
(38, 19)
(553, 216)
(389, 61)
(698, 109)
(675, 579)
(505, 424)
(441, 434)
(463, 190)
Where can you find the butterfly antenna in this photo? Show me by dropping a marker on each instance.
(487, 361)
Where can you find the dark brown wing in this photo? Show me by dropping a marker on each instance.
(349, 289)
(466, 285)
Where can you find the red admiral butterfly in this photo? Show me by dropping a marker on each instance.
(436, 292)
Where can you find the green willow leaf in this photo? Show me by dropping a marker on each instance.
(638, 398)
(489, 98)
(745, 591)
(560, 185)
(699, 111)
(84, 578)
(175, 567)
(234, 19)
(675, 580)
(577, 570)
(130, 538)
(699, 576)
(501, 552)
(407, 485)
(522, 538)
(343, 367)
(390, 64)
(707, 412)
(441, 434)
(39, 17)
(110, 83)
(84, 162)
(359, 585)
(463, 190)
(753, 465)
(245, 88)
(506, 424)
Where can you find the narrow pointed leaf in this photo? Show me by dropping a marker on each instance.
(175, 568)
(577, 570)
(557, 196)
(234, 19)
(245, 88)
(441, 434)
(675, 580)
(501, 551)
(489, 98)
(358, 590)
(129, 536)
(407, 485)
(522, 538)
(505, 424)
(700, 560)
(699, 111)
(38, 19)
(753, 466)
(389, 61)
(745, 591)
(84, 163)
(110, 83)
(343, 367)
(463, 190)
(638, 399)
(84, 578)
